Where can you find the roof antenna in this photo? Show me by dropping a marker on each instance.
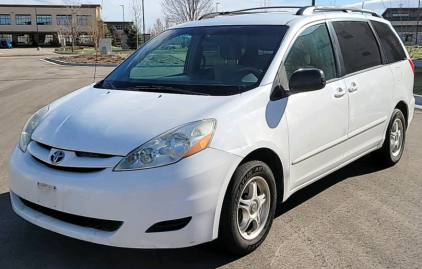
(98, 44)
(96, 60)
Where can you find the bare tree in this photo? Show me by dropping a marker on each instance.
(95, 30)
(180, 11)
(158, 27)
(71, 27)
(135, 7)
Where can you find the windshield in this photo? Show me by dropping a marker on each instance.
(217, 60)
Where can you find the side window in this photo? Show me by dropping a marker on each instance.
(390, 43)
(358, 45)
(312, 49)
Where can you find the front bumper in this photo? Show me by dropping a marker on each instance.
(139, 199)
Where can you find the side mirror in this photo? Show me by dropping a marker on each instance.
(306, 80)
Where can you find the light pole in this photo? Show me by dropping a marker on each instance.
(123, 6)
(363, 4)
(417, 23)
(36, 23)
(143, 20)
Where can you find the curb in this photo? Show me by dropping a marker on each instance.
(77, 64)
(418, 101)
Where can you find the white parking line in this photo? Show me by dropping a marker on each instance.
(49, 62)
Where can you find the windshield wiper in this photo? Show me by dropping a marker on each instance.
(101, 84)
(109, 83)
(164, 89)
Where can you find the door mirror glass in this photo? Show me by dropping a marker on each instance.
(305, 80)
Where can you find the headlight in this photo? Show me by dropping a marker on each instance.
(170, 147)
(30, 126)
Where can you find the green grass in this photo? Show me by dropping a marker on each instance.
(417, 89)
(415, 52)
(92, 51)
(120, 50)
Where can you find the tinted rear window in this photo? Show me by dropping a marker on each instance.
(358, 45)
(390, 43)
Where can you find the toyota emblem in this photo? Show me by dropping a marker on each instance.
(57, 157)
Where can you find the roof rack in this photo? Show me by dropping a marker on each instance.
(302, 11)
(244, 11)
(310, 9)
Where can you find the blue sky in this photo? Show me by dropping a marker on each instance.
(112, 11)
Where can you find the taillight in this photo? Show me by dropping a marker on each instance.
(412, 65)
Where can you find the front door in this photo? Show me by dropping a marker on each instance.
(317, 121)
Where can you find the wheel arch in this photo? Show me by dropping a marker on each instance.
(270, 158)
(265, 155)
(402, 106)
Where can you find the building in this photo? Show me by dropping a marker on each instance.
(117, 28)
(407, 23)
(45, 24)
(118, 31)
(119, 25)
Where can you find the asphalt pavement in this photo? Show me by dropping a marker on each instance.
(362, 216)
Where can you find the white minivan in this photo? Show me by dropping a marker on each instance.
(201, 132)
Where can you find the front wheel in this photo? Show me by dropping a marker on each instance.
(392, 149)
(248, 208)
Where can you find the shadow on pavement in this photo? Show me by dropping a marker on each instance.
(360, 167)
(23, 245)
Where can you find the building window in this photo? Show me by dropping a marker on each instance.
(118, 27)
(84, 39)
(64, 19)
(400, 15)
(44, 19)
(83, 19)
(23, 39)
(48, 38)
(68, 38)
(6, 37)
(5, 19)
(23, 19)
(407, 37)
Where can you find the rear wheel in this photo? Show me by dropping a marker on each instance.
(248, 208)
(392, 149)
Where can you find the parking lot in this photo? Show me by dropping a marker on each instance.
(362, 216)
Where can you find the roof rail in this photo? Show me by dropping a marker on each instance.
(310, 9)
(244, 11)
(302, 11)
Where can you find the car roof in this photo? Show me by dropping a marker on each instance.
(275, 18)
(286, 17)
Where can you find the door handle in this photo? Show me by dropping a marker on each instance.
(339, 92)
(353, 87)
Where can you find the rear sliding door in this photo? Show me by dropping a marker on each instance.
(369, 84)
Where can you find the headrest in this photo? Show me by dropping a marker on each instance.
(230, 51)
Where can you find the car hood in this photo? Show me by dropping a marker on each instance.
(116, 122)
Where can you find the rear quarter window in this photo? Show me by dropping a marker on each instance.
(358, 45)
(390, 43)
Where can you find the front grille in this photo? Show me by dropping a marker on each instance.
(44, 146)
(92, 155)
(80, 153)
(98, 224)
(70, 169)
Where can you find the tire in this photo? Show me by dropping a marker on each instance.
(235, 234)
(392, 149)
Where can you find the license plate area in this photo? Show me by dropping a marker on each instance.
(47, 195)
